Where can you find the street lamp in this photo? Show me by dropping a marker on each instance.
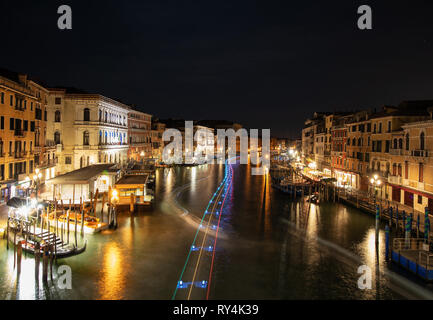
(36, 180)
(375, 182)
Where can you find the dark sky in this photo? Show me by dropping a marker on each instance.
(267, 64)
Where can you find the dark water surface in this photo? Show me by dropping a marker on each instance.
(269, 248)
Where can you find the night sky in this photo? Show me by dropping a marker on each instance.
(267, 64)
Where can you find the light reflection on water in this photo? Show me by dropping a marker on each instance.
(112, 281)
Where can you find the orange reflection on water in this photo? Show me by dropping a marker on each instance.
(112, 282)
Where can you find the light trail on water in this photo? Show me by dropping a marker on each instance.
(215, 200)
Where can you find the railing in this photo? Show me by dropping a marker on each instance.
(424, 257)
(395, 179)
(19, 133)
(396, 152)
(19, 154)
(419, 153)
(399, 244)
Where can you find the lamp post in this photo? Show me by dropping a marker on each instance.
(36, 180)
(375, 182)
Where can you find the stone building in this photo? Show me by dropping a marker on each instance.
(140, 135)
(23, 103)
(86, 129)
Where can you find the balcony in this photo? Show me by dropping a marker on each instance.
(19, 154)
(19, 133)
(396, 152)
(395, 179)
(419, 153)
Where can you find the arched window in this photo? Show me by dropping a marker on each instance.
(359, 142)
(86, 138)
(395, 143)
(100, 138)
(106, 137)
(57, 116)
(394, 169)
(81, 161)
(400, 143)
(86, 114)
(354, 142)
(57, 137)
(348, 141)
(407, 141)
(422, 141)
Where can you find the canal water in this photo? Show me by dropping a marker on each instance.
(269, 247)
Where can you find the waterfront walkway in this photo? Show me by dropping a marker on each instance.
(367, 202)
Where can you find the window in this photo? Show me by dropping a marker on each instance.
(419, 199)
(11, 100)
(2, 122)
(11, 124)
(38, 114)
(400, 143)
(406, 170)
(2, 98)
(26, 125)
(421, 172)
(32, 126)
(45, 115)
(407, 142)
(421, 141)
(399, 170)
(86, 114)
(68, 160)
(389, 126)
(57, 137)
(57, 116)
(86, 138)
(58, 100)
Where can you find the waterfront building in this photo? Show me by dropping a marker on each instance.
(140, 135)
(338, 152)
(411, 182)
(86, 129)
(386, 130)
(313, 126)
(319, 150)
(23, 103)
(80, 184)
(358, 149)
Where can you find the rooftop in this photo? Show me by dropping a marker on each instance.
(133, 179)
(83, 175)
